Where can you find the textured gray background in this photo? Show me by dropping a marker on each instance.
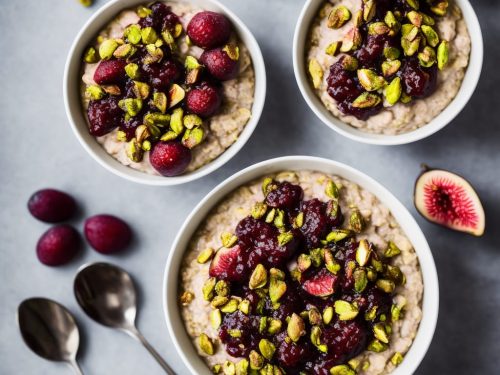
(38, 149)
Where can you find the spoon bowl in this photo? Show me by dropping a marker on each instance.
(108, 295)
(49, 330)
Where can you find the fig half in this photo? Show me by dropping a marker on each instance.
(447, 199)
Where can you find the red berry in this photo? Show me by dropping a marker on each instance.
(170, 158)
(104, 115)
(107, 234)
(219, 64)
(110, 71)
(51, 205)
(208, 29)
(161, 76)
(204, 100)
(58, 245)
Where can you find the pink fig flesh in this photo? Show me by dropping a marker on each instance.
(321, 285)
(447, 199)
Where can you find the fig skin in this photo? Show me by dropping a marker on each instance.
(473, 217)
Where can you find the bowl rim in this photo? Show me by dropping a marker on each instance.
(430, 300)
(467, 87)
(77, 120)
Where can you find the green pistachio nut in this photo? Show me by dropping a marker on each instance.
(393, 91)
(259, 210)
(430, 35)
(360, 280)
(241, 367)
(440, 9)
(148, 35)
(175, 95)
(346, 310)
(215, 318)
(230, 307)
(90, 56)
(413, 4)
(232, 51)
(107, 48)
(190, 121)
(160, 101)
(442, 54)
(366, 100)
(338, 235)
(389, 68)
(143, 11)
(427, 57)
(377, 346)
(206, 345)
(333, 48)
(338, 17)
(316, 72)
(274, 326)
(296, 327)
(352, 40)
(370, 80)
(132, 34)
(258, 279)
(379, 331)
(205, 255)
(369, 9)
(222, 288)
(134, 151)
(415, 18)
(378, 28)
(94, 92)
(385, 285)
(342, 370)
(277, 289)
(410, 47)
(176, 123)
(397, 358)
(208, 289)
(132, 70)
(131, 106)
(327, 315)
(350, 63)
(392, 250)
(409, 31)
(192, 137)
(299, 220)
(141, 90)
(332, 190)
(267, 349)
(256, 360)
(124, 51)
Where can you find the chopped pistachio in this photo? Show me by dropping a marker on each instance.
(259, 210)
(327, 315)
(256, 360)
(299, 220)
(369, 9)
(228, 239)
(333, 48)
(228, 368)
(94, 92)
(193, 137)
(314, 316)
(284, 238)
(431, 35)
(378, 28)
(393, 91)
(206, 344)
(143, 11)
(169, 39)
(234, 333)
(241, 367)
(391, 53)
(141, 90)
(394, 273)
(410, 47)
(244, 306)
(131, 106)
(215, 318)
(155, 54)
(332, 190)
(267, 348)
(397, 358)
(232, 51)
(440, 9)
(134, 151)
(338, 235)
(352, 40)
(413, 3)
(360, 280)
(366, 100)
(270, 216)
(133, 34)
(356, 221)
(342, 370)
(377, 346)
(442, 54)
(392, 22)
(175, 95)
(276, 289)
(132, 70)
(279, 219)
(121, 136)
(90, 56)
(427, 57)
(148, 35)
(392, 250)
(395, 312)
(316, 72)
(107, 48)
(346, 310)
(296, 327)
(230, 307)
(258, 279)
(389, 68)
(370, 80)
(111, 89)
(415, 18)
(331, 264)
(338, 17)
(186, 298)
(315, 335)
(385, 285)
(353, 363)
(124, 51)
(380, 333)
(191, 121)
(208, 288)
(274, 326)
(317, 256)
(222, 288)
(371, 314)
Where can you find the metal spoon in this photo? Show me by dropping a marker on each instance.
(49, 330)
(107, 294)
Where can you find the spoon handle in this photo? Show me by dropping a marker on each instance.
(134, 332)
(75, 366)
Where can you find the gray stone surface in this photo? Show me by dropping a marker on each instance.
(38, 150)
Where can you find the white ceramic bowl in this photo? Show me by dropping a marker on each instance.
(310, 10)
(173, 317)
(77, 117)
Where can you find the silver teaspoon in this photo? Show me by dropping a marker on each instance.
(49, 330)
(107, 294)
